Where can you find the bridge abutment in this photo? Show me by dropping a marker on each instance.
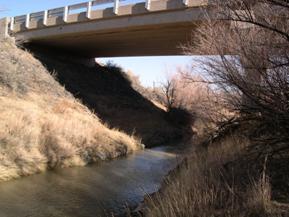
(253, 78)
(46, 52)
(4, 27)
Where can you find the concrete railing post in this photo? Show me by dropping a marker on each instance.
(148, 4)
(27, 22)
(65, 13)
(45, 16)
(186, 2)
(116, 6)
(12, 22)
(4, 23)
(88, 12)
(253, 79)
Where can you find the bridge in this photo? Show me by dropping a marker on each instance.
(110, 28)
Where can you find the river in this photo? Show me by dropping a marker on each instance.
(95, 190)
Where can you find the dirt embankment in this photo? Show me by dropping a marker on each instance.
(42, 126)
(108, 91)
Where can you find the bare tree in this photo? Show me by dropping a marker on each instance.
(169, 92)
(251, 41)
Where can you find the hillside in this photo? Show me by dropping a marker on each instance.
(42, 126)
(108, 91)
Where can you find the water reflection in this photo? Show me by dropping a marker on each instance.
(87, 191)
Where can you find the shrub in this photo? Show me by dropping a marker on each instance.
(251, 69)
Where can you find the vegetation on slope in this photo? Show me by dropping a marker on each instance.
(42, 126)
(108, 91)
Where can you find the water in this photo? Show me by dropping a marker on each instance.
(96, 190)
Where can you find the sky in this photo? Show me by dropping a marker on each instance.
(149, 69)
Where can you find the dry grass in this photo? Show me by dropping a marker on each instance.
(204, 187)
(42, 126)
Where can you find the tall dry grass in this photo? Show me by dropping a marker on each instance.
(205, 187)
(42, 126)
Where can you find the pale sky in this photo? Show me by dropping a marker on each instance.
(149, 69)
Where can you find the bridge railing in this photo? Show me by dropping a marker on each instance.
(64, 12)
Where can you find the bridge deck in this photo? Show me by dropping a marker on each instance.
(107, 28)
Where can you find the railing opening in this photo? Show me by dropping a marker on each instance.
(20, 19)
(57, 12)
(37, 16)
(78, 8)
(124, 2)
(102, 4)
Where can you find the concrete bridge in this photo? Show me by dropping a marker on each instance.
(110, 28)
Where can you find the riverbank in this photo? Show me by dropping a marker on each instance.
(223, 179)
(42, 126)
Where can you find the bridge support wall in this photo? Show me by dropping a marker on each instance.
(48, 53)
(253, 77)
(4, 26)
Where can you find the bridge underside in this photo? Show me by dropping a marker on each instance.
(149, 41)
